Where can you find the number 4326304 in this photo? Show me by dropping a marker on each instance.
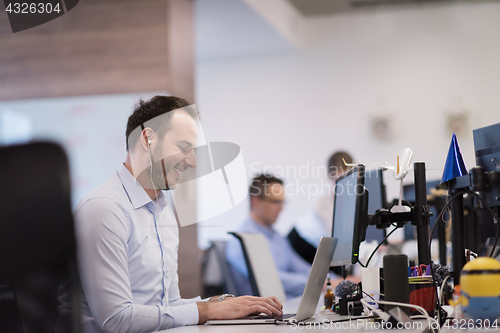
(32, 8)
(463, 324)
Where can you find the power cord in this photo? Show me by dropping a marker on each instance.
(418, 308)
(441, 214)
(378, 246)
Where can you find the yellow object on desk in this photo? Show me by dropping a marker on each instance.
(480, 289)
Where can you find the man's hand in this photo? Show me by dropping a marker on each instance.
(233, 308)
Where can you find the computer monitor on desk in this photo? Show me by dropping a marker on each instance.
(487, 151)
(350, 214)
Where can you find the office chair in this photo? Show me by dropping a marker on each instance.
(262, 272)
(301, 246)
(219, 247)
(217, 278)
(211, 274)
(37, 242)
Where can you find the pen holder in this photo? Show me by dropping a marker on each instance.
(423, 294)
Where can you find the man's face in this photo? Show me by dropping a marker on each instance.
(174, 154)
(269, 206)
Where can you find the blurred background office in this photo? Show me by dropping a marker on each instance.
(289, 81)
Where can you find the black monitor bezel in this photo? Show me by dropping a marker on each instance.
(383, 196)
(360, 215)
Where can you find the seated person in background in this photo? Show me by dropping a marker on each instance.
(317, 222)
(266, 202)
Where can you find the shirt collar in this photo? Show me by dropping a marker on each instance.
(268, 231)
(138, 197)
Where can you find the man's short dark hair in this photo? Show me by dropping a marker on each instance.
(147, 110)
(260, 183)
(336, 165)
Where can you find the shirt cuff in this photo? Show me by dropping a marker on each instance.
(186, 314)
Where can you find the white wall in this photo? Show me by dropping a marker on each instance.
(292, 107)
(90, 128)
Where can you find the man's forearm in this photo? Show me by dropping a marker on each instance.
(203, 312)
(203, 309)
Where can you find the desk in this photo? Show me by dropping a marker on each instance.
(314, 323)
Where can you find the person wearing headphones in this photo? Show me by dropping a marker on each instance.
(128, 235)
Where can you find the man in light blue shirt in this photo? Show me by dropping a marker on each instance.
(266, 202)
(128, 236)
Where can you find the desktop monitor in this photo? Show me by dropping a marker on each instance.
(487, 150)
(350, 215)
(374, 182)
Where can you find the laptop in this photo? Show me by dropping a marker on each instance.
(310, 298)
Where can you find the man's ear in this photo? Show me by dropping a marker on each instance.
(147, 138)
(254, 202)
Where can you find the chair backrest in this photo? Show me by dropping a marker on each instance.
(211, 273)
(262, 272)
(37, 242)
(219, 248)
(301, 246)
(216, 275)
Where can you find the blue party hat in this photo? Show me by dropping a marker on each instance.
(455, 166)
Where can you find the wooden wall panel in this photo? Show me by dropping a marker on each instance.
(180, 18)
(100, 47)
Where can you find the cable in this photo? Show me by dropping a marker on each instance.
(384, 316)
(156, 217)
(417, 317)
(364, 292)
(440, 296)
(441, 291)
(378, 246)
(440, 216)
(418, 308)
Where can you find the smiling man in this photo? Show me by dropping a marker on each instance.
(128, 235)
